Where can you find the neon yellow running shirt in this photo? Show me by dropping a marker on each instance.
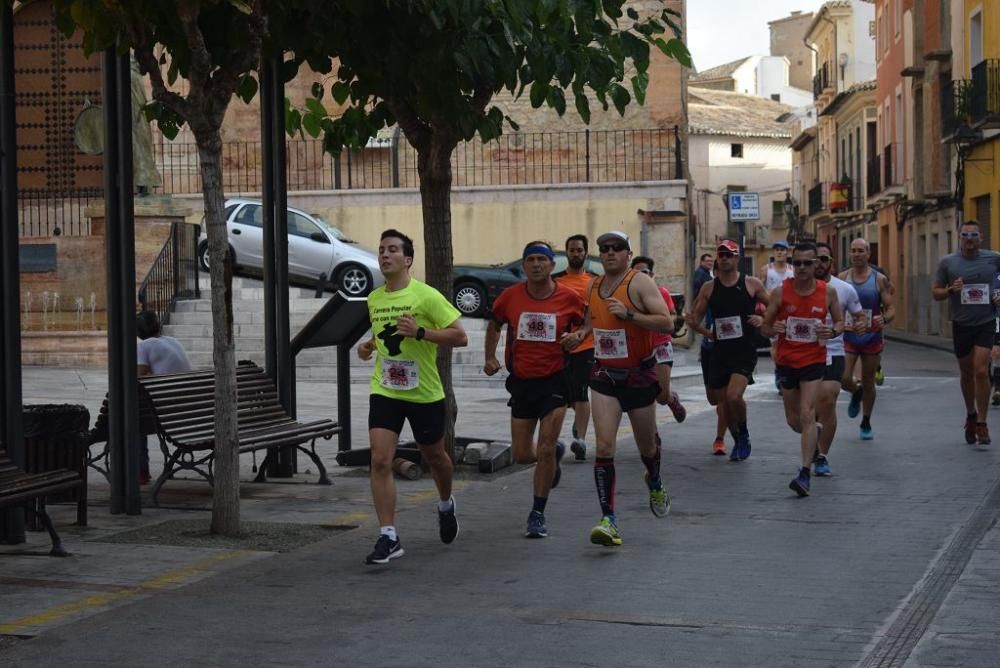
(404, 367)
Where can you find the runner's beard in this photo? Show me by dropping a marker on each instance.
(824, 275)
(576, 263)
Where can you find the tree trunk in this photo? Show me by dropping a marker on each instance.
(226, 489)
(434, 170)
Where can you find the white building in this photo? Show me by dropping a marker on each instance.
(736, 143)
(762, 76)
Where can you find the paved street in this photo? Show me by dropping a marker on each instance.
(895, 557)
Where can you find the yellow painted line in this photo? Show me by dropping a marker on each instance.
(167, 580)
(350, 518)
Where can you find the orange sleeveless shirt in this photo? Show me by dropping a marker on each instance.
(799, 346)
(617, 342)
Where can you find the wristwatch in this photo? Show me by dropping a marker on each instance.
(421, 332)
(630, 314)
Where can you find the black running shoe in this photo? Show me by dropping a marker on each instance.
(448, 523)
(385, 550)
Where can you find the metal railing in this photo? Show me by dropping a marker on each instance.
(956, 105)
(173, 274)
(817, 201)
(985, 102)
(585, 156)
(892, 171)
(43, 213)
(873, 176)
(821, 81)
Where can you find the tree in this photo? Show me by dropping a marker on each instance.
(435, 66)
(214, 45)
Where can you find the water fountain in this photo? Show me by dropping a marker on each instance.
(45, 310)
(79, 313)
(27, 310)
(93, 307)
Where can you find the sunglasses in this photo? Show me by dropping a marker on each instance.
(803, 263)
(726, 254)
(607, 248)
(824, 258)
(969, 235)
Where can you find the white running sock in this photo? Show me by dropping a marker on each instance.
(389, 531)
(445, 506)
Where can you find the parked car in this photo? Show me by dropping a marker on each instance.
(314, 247)
(477, 285)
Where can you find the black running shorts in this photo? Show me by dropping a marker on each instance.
(426, 420)
(534, 398)
(790, 377)
(966, 338)
(723, 364)
(835, 369)
(578, 372)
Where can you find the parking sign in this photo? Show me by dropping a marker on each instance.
(743, 206)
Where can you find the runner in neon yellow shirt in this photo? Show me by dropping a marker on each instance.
(409, 320)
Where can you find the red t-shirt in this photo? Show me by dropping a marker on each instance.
(534, 328)
(659, 338)
(799, 346)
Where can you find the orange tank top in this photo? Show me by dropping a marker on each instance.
(617, 343)
(799, 346)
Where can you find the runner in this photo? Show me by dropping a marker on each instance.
(409, 320)
(705, 358)
(625, 310)
(732, 298)
(582, 358)
(829, 389)
(878, 303)
(773, 274)
(797, 315)
(539, 315)
(664, 346)
(965, 278)
(879, 373)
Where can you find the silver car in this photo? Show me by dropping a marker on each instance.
(314, 247)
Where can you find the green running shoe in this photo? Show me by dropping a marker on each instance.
(659, 500)
(606, 533)
(879, 376)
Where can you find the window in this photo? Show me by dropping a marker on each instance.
(252, 215)
(983, 213)
(776, 97)
(897, 16)
(736, 150)
(878, 39)
(778, 213)
(976, 39)
(301, 226)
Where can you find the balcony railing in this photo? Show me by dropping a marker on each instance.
(892, 167)
(817, 199)
(986, 94)
(956, 106)
(874, 176)
(821, 81)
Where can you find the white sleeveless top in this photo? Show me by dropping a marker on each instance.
(775, 279)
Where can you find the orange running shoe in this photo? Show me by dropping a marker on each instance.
(719, 447)
(982, 433)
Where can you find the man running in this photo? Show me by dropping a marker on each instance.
(829, 389)
(582, 358)
(773, 274)
(877, 301)
(705, 359)
(732, 298)
(797, 315)
(625, 308)
(539, 315)
(664, 346)
(409, 320)
(965, 278)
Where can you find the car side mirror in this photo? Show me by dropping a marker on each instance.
(319, 236)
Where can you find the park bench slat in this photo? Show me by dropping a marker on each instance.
(18, 488)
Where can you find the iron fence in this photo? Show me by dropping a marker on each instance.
(956, 105)
(585, 156)
(173, 274)
(42, 213)
(817, 201)
(985, 96)
(874, 176)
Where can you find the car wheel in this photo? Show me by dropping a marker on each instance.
(470, 299)
(354, 281)
(203, 256)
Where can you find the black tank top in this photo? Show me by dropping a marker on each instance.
(735, 301)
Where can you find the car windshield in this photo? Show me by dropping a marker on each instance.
(340, 236)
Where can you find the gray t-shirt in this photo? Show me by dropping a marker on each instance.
(163, 354)
(972, 306)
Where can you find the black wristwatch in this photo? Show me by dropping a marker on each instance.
(421, 332)
(629, 314)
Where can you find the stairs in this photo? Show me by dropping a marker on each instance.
(191, 324)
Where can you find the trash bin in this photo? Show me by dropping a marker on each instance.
(56, 437)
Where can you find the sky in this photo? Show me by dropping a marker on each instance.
(720, 31)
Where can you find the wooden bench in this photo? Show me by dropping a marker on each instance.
(183, 408)
(98, 460)
(20, 489)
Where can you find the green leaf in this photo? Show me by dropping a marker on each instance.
(539, 91)
(289, 68)
(340, 92)
(168, 129)
(583, 107)
(632, 14)
(620, 97)
(557, 100)
(247, 88)
(242, 6)
(312, 125)
(317, 90)
(676, 49)
(293, 122)
(639, 84)
(512, 123)
(315, 107)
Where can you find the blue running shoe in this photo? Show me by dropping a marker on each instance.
(800, 485)
(821, 466)
(560, 451)
(867, 434)
(744, 446)
(855, 406)
(536, 526)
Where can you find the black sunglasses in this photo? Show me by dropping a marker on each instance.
(824, 258)
(803, 263)
(607, 248)
(726, 254)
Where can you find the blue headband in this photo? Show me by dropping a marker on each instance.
(538, 249)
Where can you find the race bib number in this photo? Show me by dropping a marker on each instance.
(400, 374)
(976, 293)
(729, 328)
(610, 344)
(536, 327)
(802, 330)
(867, 315)
(665, 353)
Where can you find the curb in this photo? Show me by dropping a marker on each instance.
(924, 340)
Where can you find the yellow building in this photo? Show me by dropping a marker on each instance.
(981, 158)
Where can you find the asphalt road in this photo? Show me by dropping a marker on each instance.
(872, 569)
